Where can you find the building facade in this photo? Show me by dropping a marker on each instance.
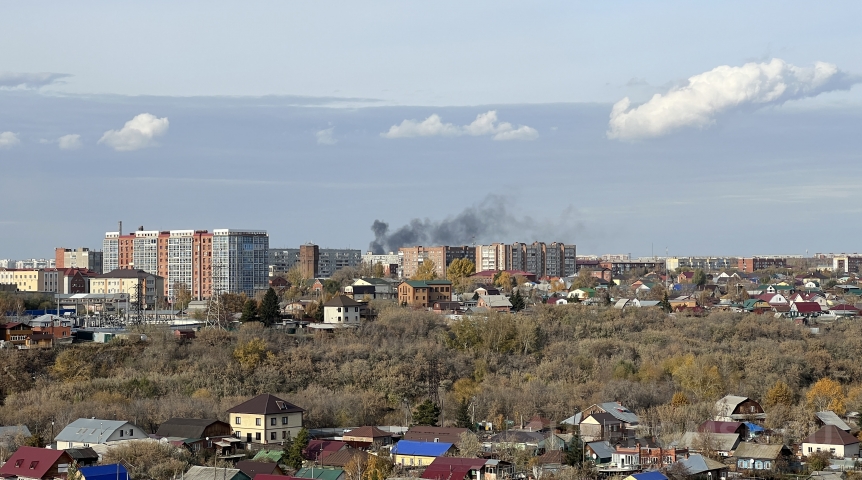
(422, 294)
(265, 419)
(847, 264)
(239, 261)
(126, 281)
(751, 264)
(309, 258)
(442, 256)
(81, 257)
(32, 280)
(703, 263)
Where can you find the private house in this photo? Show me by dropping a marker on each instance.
(31, 463)
(774, 299)
(601, 426)
(371, 288)
(830, 418)
(556, 301)
(600, 452)
(409, 453)
(13, 434)
(699, 466)
(733, 408)
(757, 456)
(265, 419)
(651, 475)
(833, 440)
(209, 473)
(319, 473)
(83, 457)
(712, 426)
(364, 437)
(722, 443)
(252, 469)
(199, 433)
(805, 309)
(319, 449)
(426, 433)
(843, 310)
(343, 457)
(15, 333)
(114, 471)
(497, 303)
(455, 468)
(621, 413)
(342, 309)
(755, 305)
(582, 293)
(423, 293)
(85, 432)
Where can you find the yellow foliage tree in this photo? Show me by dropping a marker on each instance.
(427, 271)
(778, 394)
(251, 353)
(71, 366)
(826, 394)
(704, 381)
(679, 399)
(464, 389)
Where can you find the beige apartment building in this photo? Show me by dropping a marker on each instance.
(441, 256)
(31, 280)
(126, 281)
(265, 419)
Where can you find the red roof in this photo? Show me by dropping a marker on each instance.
(844, 308)
(367, 431)
(831, 435)
(319, 449)
(32, 462)
(767, 297)
(807, 307)
(452, 468)
(712, 426)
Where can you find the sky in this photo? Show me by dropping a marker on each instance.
(623, 127)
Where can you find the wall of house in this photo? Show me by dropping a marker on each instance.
(413, 460)
(841, 451)
(341, 314)
(261, 428)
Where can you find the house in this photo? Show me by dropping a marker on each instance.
(15, 333)
(497, 303)
(14, 434)
(556, 301)
(621, 413)
(582, 293)
(342, 309)
(380, 288)
(444, 307)
(426, 433)
(36, 463)
(652, 475)
(83, 457)
(685, 277)
(343, 457)
(318, 449)
(423, 293)
(266, 419)
(774, 299)
(843, 310)
(199, 433)
(600, 452)
(366, 436)
(515, 439)
(830, 418)
(758, 456)
(209, 473)
(833, 440)
(252, 469)
(733, 408)
(114, 471)
(320, 473)
(601, 426)
(712, 426)
(550, 461)
(805, 309)
(85, 432)
(722, 443)
(455, 468)
(409, 453)
(700, 466)
(755, 305)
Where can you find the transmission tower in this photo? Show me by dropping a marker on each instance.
(214, 313)
(432, 377)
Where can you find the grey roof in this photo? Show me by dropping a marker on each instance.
(517, 436)
(602, 449)
(724, 442)
(830, 418)
(620, 412)
(725, 406)
(13, 430)
(696, 464)
(758, 450)
(209, 473)
(342, 301)
(89, 430)
(496, 301)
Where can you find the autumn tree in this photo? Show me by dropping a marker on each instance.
(778, 394)
(469, 445)
(699, 377)
(459, 271)
(503, 281)
(378, 271)
(427, 271)
(826, 394)
(584, 279)
(251, 353)
(679, 399)
(294, 454)
(182, 296)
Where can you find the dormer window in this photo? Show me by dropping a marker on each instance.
(18, 463)
(33, 464)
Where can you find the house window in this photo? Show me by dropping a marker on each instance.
(19, 462)
(257, 421)
(272, 421)
(121, 433)
(284, 420)
(257, 436)
(272, 436)
(283, 434)
(809, 449)
(238, 421)
(832, 451)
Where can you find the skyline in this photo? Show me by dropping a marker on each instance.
(711, 129)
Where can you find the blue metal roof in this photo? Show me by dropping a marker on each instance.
(424, 449)
(753, 427)
(114, 471)
(654, 475)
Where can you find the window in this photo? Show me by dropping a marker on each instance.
(809, 449)
(272, 436)
(257, 436)
(238, 421)
(121, 433)
(272, 421)
(284, 420)
(33, 464)
(19, 462)
(257, 421)
(283, 434)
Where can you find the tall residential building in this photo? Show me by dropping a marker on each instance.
(332, 260)
(309, 257)
(442, 257)
(534, 260)
(847, 263)
(281, 260)
(35, 263)
(186, 257)
(391, 262)
(81, 257)
(494, 257)
(517, 255)
(240, 261)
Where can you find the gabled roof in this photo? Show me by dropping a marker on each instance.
(496, 300)
(342, 457)
(198, 472)
(84, 453)
(602, 418)
(602, 449)
(32, 462)
(831, 435)
(423, 449)
(724, 442)
(320, 473)
(427, 433)
(713, 426)
(90, 430)
(653, 475)
(114, 471)
(265, 404)
(760, 451)
(830, 418)
(342, 301)
(252, 468)
(426, 283)
(14, 430)
(727, 404)
(517, 436)
(620, 412)
(185, 427)
(368, 431)
(452, 468)
(806, 307)
(697, 464)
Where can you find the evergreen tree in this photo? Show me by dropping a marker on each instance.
(249, 311)
(269, 308)
(462, 418)
(318, 314)
(574, 455)
(517, 301)
(664, 304)
(294, 454)
(426, 413)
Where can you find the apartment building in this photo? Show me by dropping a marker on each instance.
(391, 262)
(31, 263)
(847, 263)
(534, 259)
(703, 263)
(81, 257)
(750, 264)
(560, 260)
(126, 281)
(314, 262)
(185, 257)
(442, 256)
(493, 257)
(31, 279)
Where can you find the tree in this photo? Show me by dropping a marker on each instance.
(778, 394)
(679, 399)
(378, 271)
(585, 279)
(818, 461)
(318, 311)
(469, 445)
(826, 394)
(517, 301)
(146, 459)
(699, 278)
(231, 303)
(664, 304)
(269, 311)
(462, 417)
(574, 455)
(503, 280)
(297, 279)
(249, 311)
(182, 296)
(294, 454)
(251, 353)
(458, 272)
(426, 271)
(426, 413)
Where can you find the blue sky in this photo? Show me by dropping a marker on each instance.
(311, 120)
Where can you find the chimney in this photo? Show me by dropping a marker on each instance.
(120, 227)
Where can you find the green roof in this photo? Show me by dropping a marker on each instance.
(426, 283)
(320, 473)
(274, 455)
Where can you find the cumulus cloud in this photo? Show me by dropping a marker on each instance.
(10, 80)
(8, 140)
(324, 137)
(70, 142)
(723, 89)
(484, 124)
(139, 132)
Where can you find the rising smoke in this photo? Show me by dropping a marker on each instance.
(489, 221)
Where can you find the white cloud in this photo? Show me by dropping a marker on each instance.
(324, 137)
(484, 124)
(139, 132)
(10, 80)
(70, 142)
(722, 89)
(8, 140)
